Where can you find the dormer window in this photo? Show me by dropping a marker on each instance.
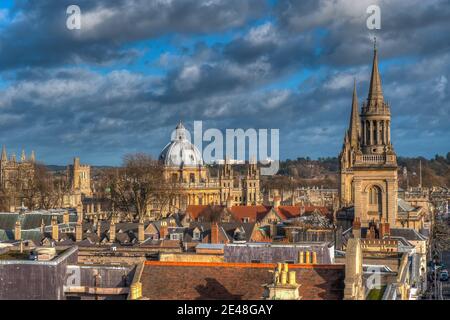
(197, 235)
(246, 220)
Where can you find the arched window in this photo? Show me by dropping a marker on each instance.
(374, 195)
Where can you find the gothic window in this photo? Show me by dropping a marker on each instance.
(375, 197)
(367, 132)
(374, 133)
(192, 178)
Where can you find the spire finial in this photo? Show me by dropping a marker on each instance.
(375, 91)
(375, 43)
(354, 119)
(4, 154)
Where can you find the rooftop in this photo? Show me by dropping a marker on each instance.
(234, 281)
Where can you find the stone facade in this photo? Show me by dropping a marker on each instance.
(80, 177)
(368, 163)
(15, 174)
(183, 164)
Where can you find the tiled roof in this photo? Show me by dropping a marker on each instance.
(290, 212)
(195, 211)
(253, 213)
(228, 281)
(404, 206)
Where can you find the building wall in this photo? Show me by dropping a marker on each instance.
(273, 254)
(30, 280)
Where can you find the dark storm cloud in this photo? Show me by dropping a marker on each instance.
(71, 109)
(37, 36)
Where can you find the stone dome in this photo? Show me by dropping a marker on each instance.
(180, 152)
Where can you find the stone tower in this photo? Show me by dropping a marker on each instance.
(252, 184)
(80, 177)
(368, 163)
(226, 180)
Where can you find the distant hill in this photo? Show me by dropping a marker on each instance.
(324, 172)
(55, 168)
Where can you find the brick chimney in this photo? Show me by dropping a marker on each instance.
(357, 228)
(214, 233)
(163, 230)
(79, 232)
(55, 229)
(80, 212)
(385, 230)
(141, 235)
(112, 231)
(66, 218)
(18, 231)
(99, 230)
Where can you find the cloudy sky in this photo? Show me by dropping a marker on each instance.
(137, 67)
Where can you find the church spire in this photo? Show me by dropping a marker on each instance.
(375, 90)
(354, 120)
(4, 154)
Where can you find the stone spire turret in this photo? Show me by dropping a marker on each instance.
(4, 154)
(23, 156)
(354, 127)
(375, 97)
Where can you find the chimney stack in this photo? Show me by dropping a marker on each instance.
(18, 231)
(141, 236)
(99, 230)
(66, 217)
(55, 228)
(79, 232)
(163, 230)
(215, 233)
(80, 212)
(385, 230)
(42, 226)
(112, 231)
(357, 228)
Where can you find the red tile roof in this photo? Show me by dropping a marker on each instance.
(290, 212)
(194, 211)
(253, 213)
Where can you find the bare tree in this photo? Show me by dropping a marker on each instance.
(137, 184)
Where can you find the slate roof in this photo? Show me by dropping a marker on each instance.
(226, 228)
(405, 233)
(404, 206)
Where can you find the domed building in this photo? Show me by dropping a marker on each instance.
(185, 169)
(180, 152)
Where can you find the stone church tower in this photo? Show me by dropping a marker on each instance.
(368, 163)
